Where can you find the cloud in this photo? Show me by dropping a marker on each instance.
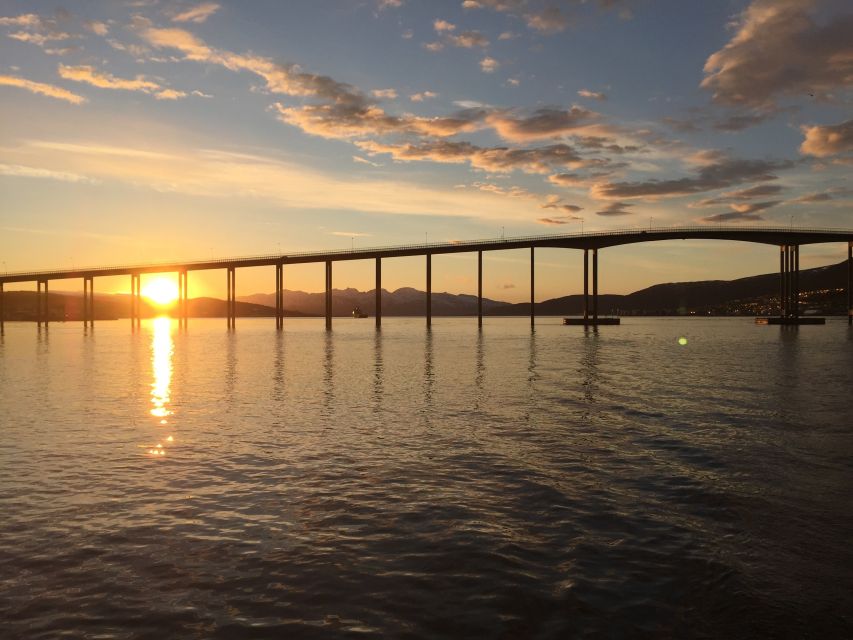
(507, 35)
(497, 5)
(491, 159)
(408, 34)
(511, 192)
(198, 13)
(434, 47)
(40, 39)
(96, 27)
(360, 160)
(555, 202)
(828, 140)
(200, 94)
(780, 50)
(615, 209)
(595, 95)
(360, 119)
(468, 40)
(21, 171)
(423, 95)
(23, 20)
(44, 89)
(733, 216)
(489, 65)
(388, 94)
(513, 82)
(822, 196)
(752, 207)
(442, 26)
(718, 175)
(558, 220)
(390, 4)
(758, 191)
(103, 80)
(542, 124)
(350, 234)
(549, 21)
(170, 94)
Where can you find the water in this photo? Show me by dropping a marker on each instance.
(426, 484)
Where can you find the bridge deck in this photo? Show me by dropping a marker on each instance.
(596, 240)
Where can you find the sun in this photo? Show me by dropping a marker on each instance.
(160, 291)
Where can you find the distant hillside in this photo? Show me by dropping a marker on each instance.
(402, 302)
(21, 305)
(754, 294)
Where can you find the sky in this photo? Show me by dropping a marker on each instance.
(149, 130)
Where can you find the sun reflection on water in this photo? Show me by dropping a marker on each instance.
(162, 348)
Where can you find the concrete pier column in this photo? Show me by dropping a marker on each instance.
(85, 302)
(185, 302)
(795, 289)
(135, 301)
(2, 311)
(279, 307)
(378, 292)
(782, 283)
(231, 306)
(479, 288)
(46, 304)
(38, 304)
(429, 289)
(328, 295)
(532, 288)
(850, 283)
(586, 286)
(90, 306)
(595, 286)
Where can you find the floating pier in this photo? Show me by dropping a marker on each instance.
(791, 321)
(594, 322)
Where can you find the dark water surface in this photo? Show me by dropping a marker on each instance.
(412, 484)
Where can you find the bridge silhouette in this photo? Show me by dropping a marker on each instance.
(788, 240)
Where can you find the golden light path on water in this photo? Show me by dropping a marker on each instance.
(162, 348)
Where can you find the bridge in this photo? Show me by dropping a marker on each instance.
(788, 240)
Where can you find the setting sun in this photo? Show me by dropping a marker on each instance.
(161, 291)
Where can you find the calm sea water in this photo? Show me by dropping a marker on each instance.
(451, 483)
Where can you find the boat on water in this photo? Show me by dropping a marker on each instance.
(358, 313)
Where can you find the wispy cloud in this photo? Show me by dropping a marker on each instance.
(104, 80)
(595, 95)
(350, 234)
(198, 13)
(21, 171)
(41, 88)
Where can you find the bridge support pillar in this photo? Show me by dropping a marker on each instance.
(2, 311)
(135, 301)
(532, 289)
(42, 311)
(429, 289)
(850, 283)
(378, 292)
(279, 296)
(595, 286)
(183, 305)
(85, 302)
(479, 288)
(586, 286)
(328, 295)
(231, 307)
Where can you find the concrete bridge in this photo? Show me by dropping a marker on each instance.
(788, 240)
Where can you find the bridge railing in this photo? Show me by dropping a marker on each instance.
(425, 246)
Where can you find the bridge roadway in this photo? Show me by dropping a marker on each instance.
(789, 239)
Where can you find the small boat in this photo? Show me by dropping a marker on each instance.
(358, 313)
